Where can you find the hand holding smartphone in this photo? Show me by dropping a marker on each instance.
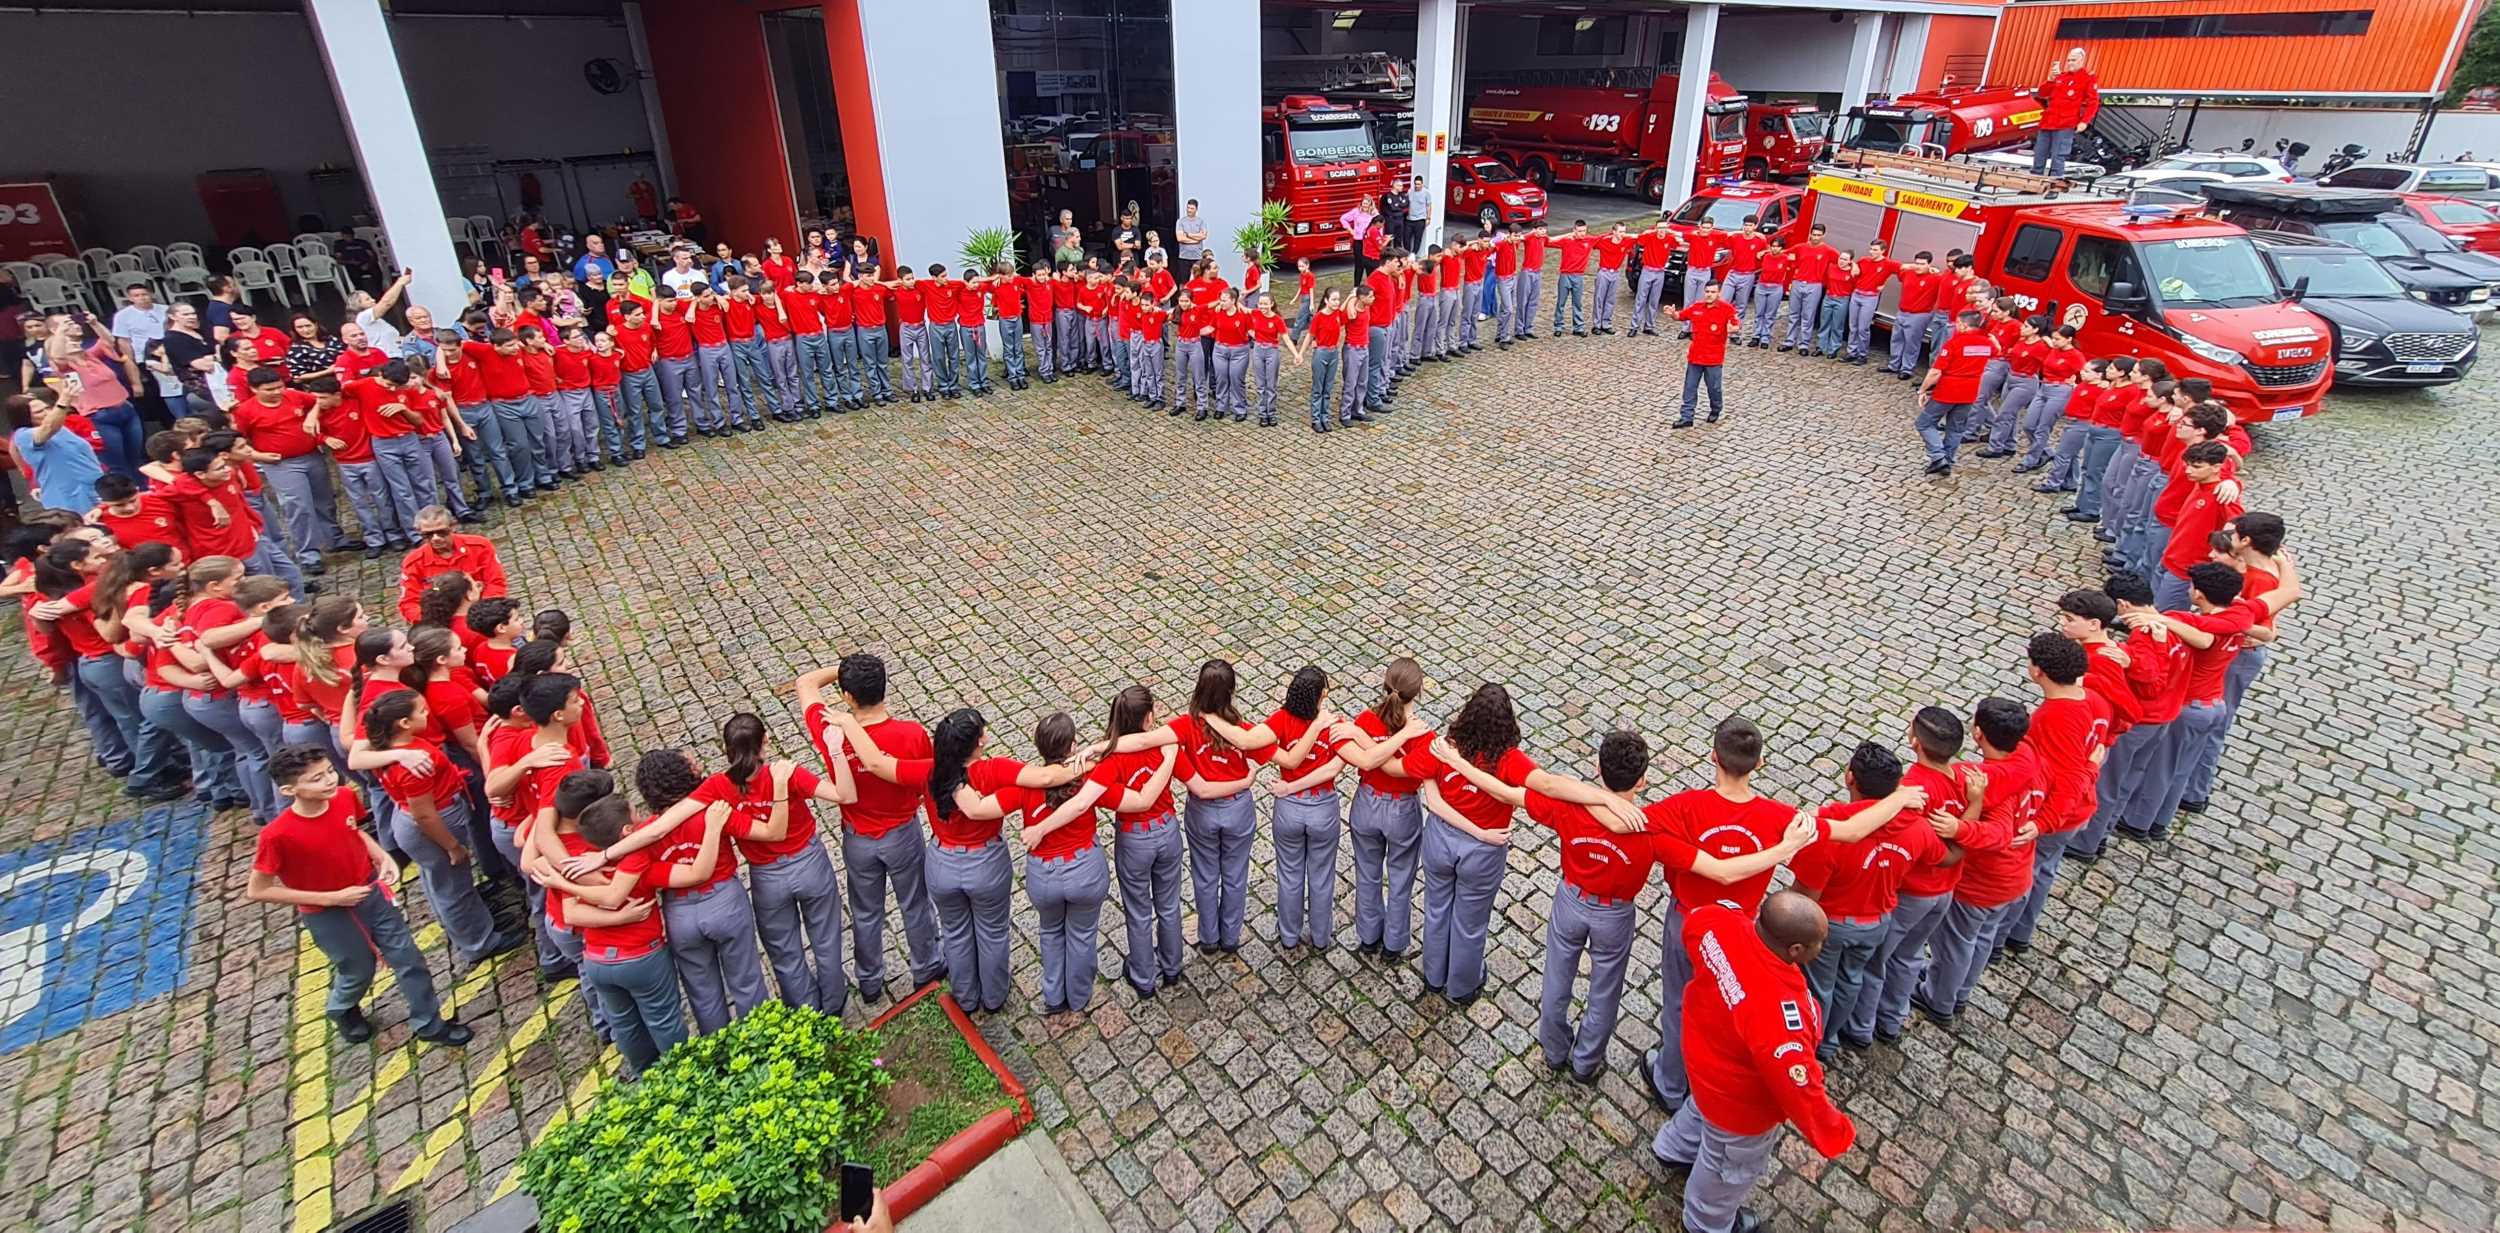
(859, 1191)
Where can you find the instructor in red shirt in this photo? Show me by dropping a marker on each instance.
(1952, 390)
(1750, 1030)
(440, 551)
(2068, 101)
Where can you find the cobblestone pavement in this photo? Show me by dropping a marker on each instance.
(2285, 1018)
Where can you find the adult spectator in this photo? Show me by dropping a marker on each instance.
(1356, 222)
(630, 277)
(1189, 234)
(2068, 101)
(1418, 216)
(314, 351)
(685, 221)
(106, 374)
(218, 313)
(1067, 244)
(192, 358)
(140, 320)
(60, 463)
(441, 550)
(373, 314)
(682, 276)
(594, 257)
(1393, 215)
(1127, 242)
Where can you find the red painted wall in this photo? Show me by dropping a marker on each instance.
(716, 94)
(846, 50)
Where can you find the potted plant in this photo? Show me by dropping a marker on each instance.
(1259, 238)
(985, 247)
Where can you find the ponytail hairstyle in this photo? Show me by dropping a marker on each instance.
(371, 646)
(430, 645)
(535, 658)
(1303, 695)
(742, 739)
(208, 572)
(1129, 709)
(952, 745)
(443, 598)
(383, 718)
(1485, 728)
(1399, 687)
(323, 623)
(1214, 696)
(1054, 739)
(131, 565)
(56, 572)
(664, 777)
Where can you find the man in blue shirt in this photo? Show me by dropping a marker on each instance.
(64, 464)
(594, 257)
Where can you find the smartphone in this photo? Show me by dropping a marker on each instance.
(859, 1191)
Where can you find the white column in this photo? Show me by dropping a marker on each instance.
(638, 41)
(1692, 96)
(1440, 63)
(1909, 50)
(1858, 80)
(355, 42)
(1215, 110)
(934, 76)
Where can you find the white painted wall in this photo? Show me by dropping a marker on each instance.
(2386, 131)
(1215, 110)
(1766, 53)
(234, 90)
(934, 76)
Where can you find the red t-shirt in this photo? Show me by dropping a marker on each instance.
(78, 626)
(2193, 513)
(647, 875)
(1744, 250)
(2060, 367)
(1202, 754)
(369, 396)
(1709, 822)
(1266, 328)
(1611, 250)
(539, 369)
(801, 307)
(710, 324)
(673, 335)
(1598, 861)
(2023, 359)
(151, 523)
(1327, 329)
(572, 369)
(882, 807)
(1862, 878)
(1710, 321)
(988, 777)
(1963, 361)
(1232, 329)
(2229, 627)
(1487, 812)
(606, 369)
(1575, 253)
(2065, 733)
(201, 537)
(1945, 798)
(1873, 273)
(275, 429)
(1996, 868)
(1128, 772)
(1655, 245)
(1814, 261)
(749, 807)
(1919, 292)
(441, 784)
(318, 852)
(1777, 268)
(738, 318)
(938, 294)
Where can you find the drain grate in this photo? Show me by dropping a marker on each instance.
(399, 1217)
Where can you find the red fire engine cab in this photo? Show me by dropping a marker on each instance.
(1322, 159)
(1783, 137)
(1943, 123)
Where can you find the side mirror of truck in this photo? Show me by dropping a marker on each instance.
(2126, 298)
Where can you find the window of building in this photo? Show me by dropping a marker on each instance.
(2218, 25)
(1581, 36)
(1086, 88)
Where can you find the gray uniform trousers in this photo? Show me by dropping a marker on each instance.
(1461, 878)
(2048, 405)
(1067, 331)
(1323, 376)
(1567, 293)
(488, 455)
(1447, 308)
(1304, 829)
(1602, 928)
(307, 503)
(220, 714)
(639, 998)
(818, 382)
(1148, 861)
(1388, 834)
(353, 937)
(407, 477)
(1909, 338)
(1197, 382)
(798, 915)
(1067, 894)
(1861, 321)
(917, 378)
(1531, 288)
(871, 344)
(2236, 679)
(1232, 373)
(443, 472)
(110, 708)
(2110, 789)
(1901, 965)
(1843, 977)
(1766, 309)
(1149, 365)
(2149, 777)
(722, 398)
(1726, 1166)
(2074, 441)
(868, 865)
(1352, 385)
(1675, 970)
(1991, 380)
(1805, 308)
(1427, 327)
(1221, 834)
(783, 355)
(376, 518)
(2196, 735)
(2013, 404)
(1045, 356)
(711, 936)
(1264, 363)
(211, 758)
(1962, 945)
(1737, 289)
(758, 390)
(681, 387)
(971, 889)
(1470, 298)
(1506, 316)
(452, 889)
(1380, 366)
(543, 930)
(1602, 298)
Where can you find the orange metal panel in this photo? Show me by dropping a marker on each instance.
(2408, 49)
(1954, 41)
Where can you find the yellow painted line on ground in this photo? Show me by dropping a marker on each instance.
(575, 1104)
(308, 1108)
(386, 981)
(402, 1060)
(446, 1135)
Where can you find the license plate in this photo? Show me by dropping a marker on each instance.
(2291, 413)
(2424, 368)
(1344, 245)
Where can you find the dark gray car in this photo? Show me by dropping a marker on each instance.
(2384, 334)
(2376, 223)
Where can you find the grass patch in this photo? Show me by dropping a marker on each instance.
(941, 1087)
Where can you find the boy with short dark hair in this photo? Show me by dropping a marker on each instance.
(1998, 857)
(2069, 735)
(1858, 882)
(314, 858)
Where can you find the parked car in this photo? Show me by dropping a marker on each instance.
(2192, 166)
(2421, 259)
(2384, 335)
(2469, 225)
(2454, 179)
(1492, 192)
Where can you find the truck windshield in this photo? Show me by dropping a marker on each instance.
(1397, 132)
(2222, 271)
(1728, 125)
(1728, 212)
(2339, 275)
(1806, 125)
(1333, 139)
(1880, 132)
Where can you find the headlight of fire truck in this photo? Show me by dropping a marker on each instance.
(2219, 355)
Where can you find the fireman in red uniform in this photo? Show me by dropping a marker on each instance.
(2068, 101)
(1750, 1030)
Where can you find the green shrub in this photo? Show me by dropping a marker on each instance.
(739, 1130)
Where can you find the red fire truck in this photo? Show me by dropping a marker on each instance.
(1604, 137)
(1944, 122)
(1322, 159)
(1782, 138)
(2175, 285)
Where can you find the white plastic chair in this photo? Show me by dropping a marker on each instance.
(151, 258)
(238, 255)
(310, 237)
(119, 279)
(52, 295)
(95, 259)
(185, 280)
(281, 258)
(70, 270)
(23, 272)
(251, 276)
(459, 229)
(315, 268)
(306, 245)
(484, 231)
(184, 253)
(119, 264)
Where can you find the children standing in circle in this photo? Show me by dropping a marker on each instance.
(1146, 849)
(969, 877)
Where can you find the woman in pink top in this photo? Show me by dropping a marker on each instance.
(102, 398)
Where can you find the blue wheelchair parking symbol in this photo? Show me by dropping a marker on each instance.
(96, 923)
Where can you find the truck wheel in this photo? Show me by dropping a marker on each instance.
(1757, 169)
(1539, 172)
(1654, 186)
(1488, 218)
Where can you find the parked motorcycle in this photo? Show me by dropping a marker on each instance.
(2353, 152)
(2290, 152)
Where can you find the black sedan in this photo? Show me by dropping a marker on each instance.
(2384, 334)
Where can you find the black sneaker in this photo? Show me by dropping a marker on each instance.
(1649, 1080)
(2191, 806)
(450, 1032)
(353, 1027)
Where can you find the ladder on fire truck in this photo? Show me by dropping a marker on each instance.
(1971, 179)
(1373, 73)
